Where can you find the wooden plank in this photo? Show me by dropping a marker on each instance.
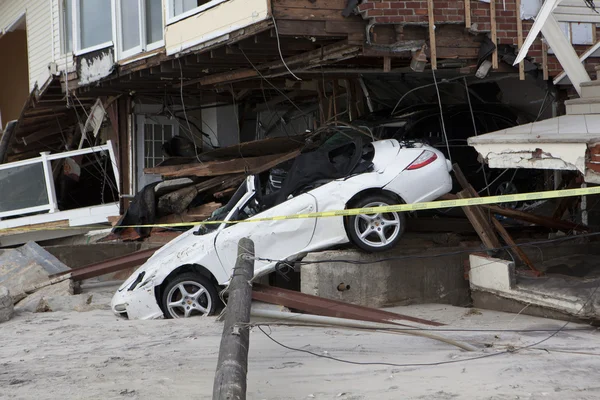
(302, 28)
(192, 215)
(520, 39)
(312, 4)
(544, 60)
(485, 232)
(468, 14)
(316, 14)
(432, 44)
(387, 64)
(494, 33)
(518, 251)
(215, 168)
(548, 222)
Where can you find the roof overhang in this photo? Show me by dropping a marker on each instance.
(569, 142)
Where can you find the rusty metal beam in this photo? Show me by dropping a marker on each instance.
(109, 266)
(330, 308)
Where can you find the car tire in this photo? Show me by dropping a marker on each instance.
(184, 290)
(377, 232)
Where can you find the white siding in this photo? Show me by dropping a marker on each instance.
(575, 11)
(39, 34)
(62, 60)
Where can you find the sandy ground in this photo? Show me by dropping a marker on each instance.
(95, 355)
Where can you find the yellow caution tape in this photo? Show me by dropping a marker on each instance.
(431, 205)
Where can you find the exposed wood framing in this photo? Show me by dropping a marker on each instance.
(545, 60)
(468, 14)
(520, 39)
(387, 64)
(494, 33)
(432, 46)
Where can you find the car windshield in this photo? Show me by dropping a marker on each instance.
(221, 213)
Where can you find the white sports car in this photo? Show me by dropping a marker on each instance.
(182, 278)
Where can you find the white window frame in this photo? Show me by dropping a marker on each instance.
(117, 31)
(174, 18)
(77, 50)
(141, 178)
(64, 28)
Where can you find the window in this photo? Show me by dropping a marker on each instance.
(154, 137)
(66, 26)
(93, 24)
(139, 26)
(179, 9)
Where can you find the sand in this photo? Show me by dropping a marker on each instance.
(95, 355)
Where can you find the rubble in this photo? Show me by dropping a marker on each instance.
(27, 266)
(6, 305)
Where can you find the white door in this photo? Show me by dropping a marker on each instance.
(272, 239)
(152, 133)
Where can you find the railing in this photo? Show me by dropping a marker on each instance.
(27, 186)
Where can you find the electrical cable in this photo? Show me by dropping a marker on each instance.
(279, 48)
(508, 351)
(185, 112)
(437, 89)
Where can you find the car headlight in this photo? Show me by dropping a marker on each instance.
(121, 307)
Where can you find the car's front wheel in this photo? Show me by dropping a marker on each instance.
(188, 295)
(375, 232)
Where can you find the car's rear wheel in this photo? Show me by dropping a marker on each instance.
(188, 295)
(375, 232)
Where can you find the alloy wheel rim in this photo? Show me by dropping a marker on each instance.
(188, 299)
(377, 230)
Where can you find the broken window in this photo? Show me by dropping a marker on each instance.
(22, 188)
(178, 9)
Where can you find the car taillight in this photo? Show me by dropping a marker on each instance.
(426, 158)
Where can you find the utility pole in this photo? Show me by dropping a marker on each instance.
(232, 367)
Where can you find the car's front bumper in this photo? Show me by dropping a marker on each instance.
(136, 304)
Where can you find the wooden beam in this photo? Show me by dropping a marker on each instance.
(387, 64)
(482, 227)
(520, 39)
(494, 33)
(325, 53)
(544, 60)
(432, 46)
(468, 14)
(513, 246)
(215, 168)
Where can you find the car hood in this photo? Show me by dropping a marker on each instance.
(166, 258)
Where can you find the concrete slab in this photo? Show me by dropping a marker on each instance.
(568, 288)
(393, 282)
(27, 265)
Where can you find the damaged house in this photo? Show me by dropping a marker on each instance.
(121, 113)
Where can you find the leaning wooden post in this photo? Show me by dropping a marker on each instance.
(232, 367)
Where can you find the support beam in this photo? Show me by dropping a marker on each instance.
(494, 33)
(565, 53)
(520, 39)
(468, 14)
(432, 46)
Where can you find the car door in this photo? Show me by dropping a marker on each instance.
(275, 240)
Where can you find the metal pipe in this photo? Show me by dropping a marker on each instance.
(295, 318)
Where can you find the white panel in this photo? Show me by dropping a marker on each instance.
(582, 33)
(214, 23)
(530, 8)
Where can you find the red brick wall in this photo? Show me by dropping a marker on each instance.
(453, 12)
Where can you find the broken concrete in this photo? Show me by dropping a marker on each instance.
(394, 282)
(26, 266)
(34, 301)
(6, 305)
(558, 292)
